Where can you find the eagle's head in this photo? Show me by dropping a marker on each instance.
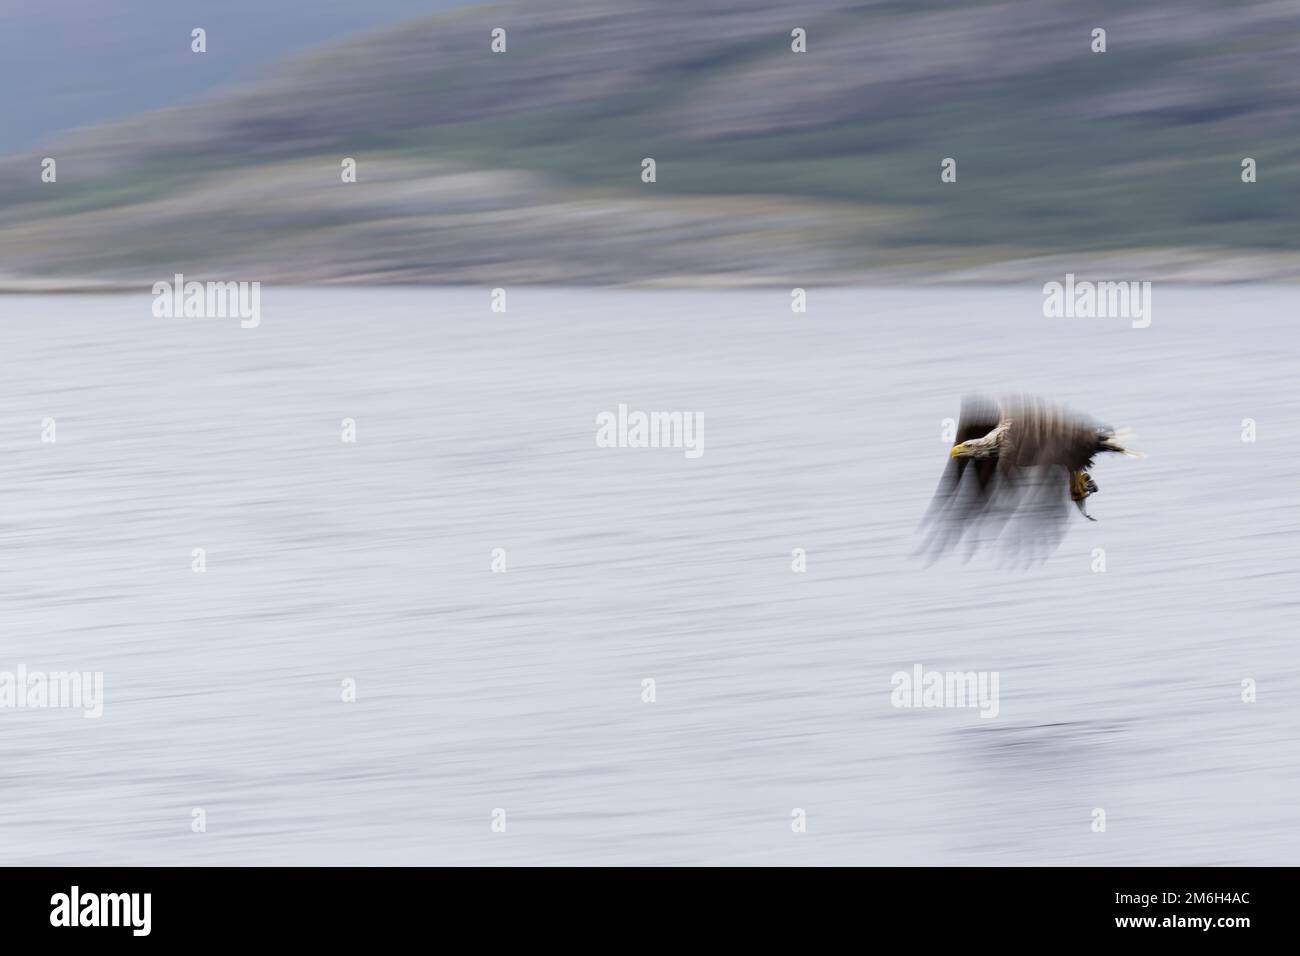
(986, 447)
(975, 448)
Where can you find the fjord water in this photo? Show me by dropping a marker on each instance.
(371, 561)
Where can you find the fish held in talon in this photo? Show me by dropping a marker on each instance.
(1014, 468)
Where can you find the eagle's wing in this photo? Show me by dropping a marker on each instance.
(1043, 445)
(957, 506)
(1043, 433)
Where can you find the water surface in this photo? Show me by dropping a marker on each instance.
(521, 690)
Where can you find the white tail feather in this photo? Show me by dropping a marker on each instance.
(1118, 439)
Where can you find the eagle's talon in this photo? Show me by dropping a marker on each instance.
(1081, 486)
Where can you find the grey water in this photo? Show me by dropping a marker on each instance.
(1121, 659)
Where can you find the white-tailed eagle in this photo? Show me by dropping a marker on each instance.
(1014, 469)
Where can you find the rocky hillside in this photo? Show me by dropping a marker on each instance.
(772, 166)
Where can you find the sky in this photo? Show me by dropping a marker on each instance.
(71, 63)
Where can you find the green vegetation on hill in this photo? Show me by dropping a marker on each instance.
(525, 166)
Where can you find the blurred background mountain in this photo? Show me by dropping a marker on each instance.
(772, 166)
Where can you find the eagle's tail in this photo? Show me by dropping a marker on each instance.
(1118, 440)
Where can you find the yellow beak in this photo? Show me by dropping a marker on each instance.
(956, 452)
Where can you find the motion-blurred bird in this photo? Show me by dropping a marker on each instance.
(1015, 466)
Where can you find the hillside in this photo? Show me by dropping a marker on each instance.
(772, 166)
